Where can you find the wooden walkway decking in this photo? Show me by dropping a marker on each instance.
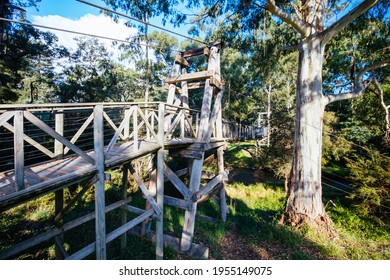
(54, 175)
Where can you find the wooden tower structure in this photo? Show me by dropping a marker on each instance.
(210, 121)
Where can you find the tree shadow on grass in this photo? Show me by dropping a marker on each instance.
(262, 237)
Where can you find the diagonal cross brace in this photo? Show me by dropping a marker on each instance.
(145, 191)
(180, 186)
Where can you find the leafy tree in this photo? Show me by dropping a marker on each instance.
(316, 24)
(92, 76)
(27, 63)
(372, 183)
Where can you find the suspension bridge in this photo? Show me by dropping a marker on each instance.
(46, 148)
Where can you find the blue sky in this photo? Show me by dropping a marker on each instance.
(66, 8)
(77, 16)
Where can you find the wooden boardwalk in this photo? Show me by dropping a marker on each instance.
(53, 175)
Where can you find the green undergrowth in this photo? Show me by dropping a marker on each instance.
(253, 230)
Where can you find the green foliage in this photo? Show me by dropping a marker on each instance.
(371, 176)
(335, 146)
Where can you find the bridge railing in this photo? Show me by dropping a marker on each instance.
(241, 132)
(30, 134)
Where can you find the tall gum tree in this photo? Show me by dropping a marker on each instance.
(307, 18)
(305, 197)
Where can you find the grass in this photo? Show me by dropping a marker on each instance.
(252, 231)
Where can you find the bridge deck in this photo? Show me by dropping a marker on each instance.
(53, 175)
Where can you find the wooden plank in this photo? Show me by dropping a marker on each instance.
(122, 229)
(195, 52)
(4, 117)
(211, 194)
(82, 253)
(201, 75)
(198, 251)
(34, 120)
(210, 185)
(100, 220)
(79, 132)
(138, 211)
(181, 60)
(178, 203)
(143, 188)
(175, 180)
(190, 153)
(196, 85)
(31, 141)
(19, 151)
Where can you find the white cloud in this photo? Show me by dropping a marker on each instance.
(92, 24)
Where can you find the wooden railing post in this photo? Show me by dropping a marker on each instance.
(59, 128)
(160, 184)
(100, 219)
(126, 129)
(19, 150)
(135, 127)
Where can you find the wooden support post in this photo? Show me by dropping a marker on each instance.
(146, 225)
(221, 168)
(160, 184)
(100, 220)
(125, 181)
(19, 151)
(59, 195)
(58, 205)
(171, 93)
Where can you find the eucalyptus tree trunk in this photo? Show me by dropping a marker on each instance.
(304, 203)
(305, 198)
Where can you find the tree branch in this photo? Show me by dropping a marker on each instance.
(360, 87)
(286, 48)
(296, 24)
(336, 27)
(385, 107)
